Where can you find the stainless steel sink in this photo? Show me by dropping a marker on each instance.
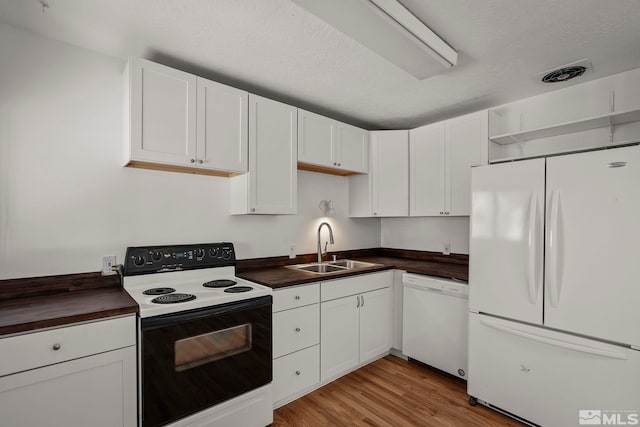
(320, 268)
(332, 267)
(350, 264)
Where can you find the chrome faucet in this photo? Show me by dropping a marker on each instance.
(325, 245)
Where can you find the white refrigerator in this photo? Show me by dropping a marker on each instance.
(554, 287)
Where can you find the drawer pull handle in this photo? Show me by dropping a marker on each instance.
(56, 347)
(297, 372)
(297, 297)
(297, 329)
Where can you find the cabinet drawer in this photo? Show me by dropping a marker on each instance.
(295, 372)
(355, 285)
(297, 296)
(295, 329)
(36, 349)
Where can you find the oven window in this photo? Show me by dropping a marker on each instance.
(199, 350)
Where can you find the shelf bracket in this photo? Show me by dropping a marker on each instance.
(610, 130)
(612, 102)
(516, 139)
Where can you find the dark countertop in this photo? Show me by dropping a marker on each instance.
(273, 272)
(43, 302)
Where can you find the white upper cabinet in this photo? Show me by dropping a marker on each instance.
(441, 157)
(223, 125)
(427, 170)
(316, 139)
(352, 148)
(466, 145)
(326, 145)
(270, 186)
(384, 192)
(177, 121)
(161, 114)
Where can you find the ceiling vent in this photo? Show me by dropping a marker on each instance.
(565, 72)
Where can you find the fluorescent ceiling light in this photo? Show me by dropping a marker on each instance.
(390, 30)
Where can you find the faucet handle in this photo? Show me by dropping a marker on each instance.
(334, 257)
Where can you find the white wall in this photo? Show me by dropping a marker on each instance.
(426, 233)
(65, 199)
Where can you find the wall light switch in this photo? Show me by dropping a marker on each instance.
(292, 251)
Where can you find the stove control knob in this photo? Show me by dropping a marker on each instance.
(199, 253)
(138, 260)
(226, 254)
(156, 255)
(214, 252)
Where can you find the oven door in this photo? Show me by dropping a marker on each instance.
(193, 360)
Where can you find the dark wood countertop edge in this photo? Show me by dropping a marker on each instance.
(52, 285)
(301, 277)
(245, 265)
(35, 303)
(65, 320)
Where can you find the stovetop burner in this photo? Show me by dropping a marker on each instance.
(222, 283)
(238, 289)
(173, 298)
(158, 291)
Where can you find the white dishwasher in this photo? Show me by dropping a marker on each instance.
(435, 322)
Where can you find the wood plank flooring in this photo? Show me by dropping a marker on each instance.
(390, 392)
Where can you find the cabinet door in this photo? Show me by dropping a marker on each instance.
(222, 127)
(375, 324)
(273, 154)
(163, 114)
(466, 146)
(339, 336)
(427, 170)
(352, 148)
(316, 139)
(390, 173)
(96, 391)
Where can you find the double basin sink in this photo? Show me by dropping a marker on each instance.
(332, 267)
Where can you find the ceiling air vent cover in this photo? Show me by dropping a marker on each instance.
(564, 74)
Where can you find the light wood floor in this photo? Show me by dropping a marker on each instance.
(390, 392)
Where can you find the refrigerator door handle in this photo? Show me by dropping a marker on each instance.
(554, 342)
(531, 255)
(554, 292)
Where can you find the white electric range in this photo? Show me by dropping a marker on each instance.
(204, 337)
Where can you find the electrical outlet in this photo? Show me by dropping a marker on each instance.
(446, 249)
(292, 251)
(108, 262)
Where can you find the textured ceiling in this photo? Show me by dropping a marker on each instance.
(276, 49)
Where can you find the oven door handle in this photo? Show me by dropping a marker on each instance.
(199, 313)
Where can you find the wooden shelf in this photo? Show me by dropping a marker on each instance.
(611, 119)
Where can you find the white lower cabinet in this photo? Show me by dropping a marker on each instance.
(326, 329)
(340, 335)
(54, 387)
(355, 328)
(295, 372)
(296, 339)
(375, 324)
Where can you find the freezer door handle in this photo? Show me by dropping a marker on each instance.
(554, 342)
(554, 288)
(532, 249)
